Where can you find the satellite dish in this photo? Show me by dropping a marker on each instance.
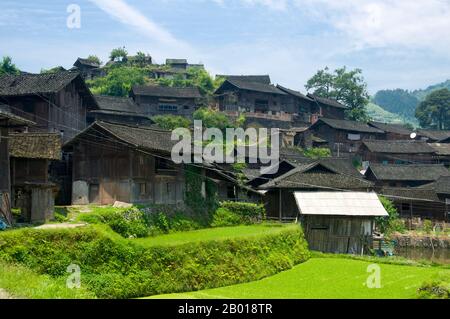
(413, 135)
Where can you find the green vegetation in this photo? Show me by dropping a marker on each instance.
(422, 94)
(115, 267)
(118, 81)
(94, 59)
(118, 54)
(436, 288)
(7, 67)
(317, 152)
(321, 278)
(397, 101)
(236, 213)
(378, 114)
(171, 122)
(392, 223)
(347, 87)
(21, 282)
(434, 111)
(213, 118)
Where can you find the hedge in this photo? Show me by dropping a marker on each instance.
(114, 267)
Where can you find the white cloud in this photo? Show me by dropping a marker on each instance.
(385, 23)
(272, 4)
(128, 15)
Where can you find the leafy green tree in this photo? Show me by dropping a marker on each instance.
(212, 118)
(94, 59)
(141, 58)
(391, 223)
(347, 87)
(434, 111)
(317, 152)
(52, 70)
(7, 67)
(197, 77)
(119, 54)
(171, 122)
(118, 81)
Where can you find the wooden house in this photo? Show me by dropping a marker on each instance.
(316, 176)
(442, 153)
(344, 137)
(434, 136)
(403, 175)
(32, 188)
(397, 152)
(56, 102)
(329, 108)
(393, 131)
(116, 162)
(305, 109)
(162, 100)
(118, 109)
(339, 222)
(88, 69)
(8, 121)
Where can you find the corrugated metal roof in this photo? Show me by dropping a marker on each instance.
(339, 204)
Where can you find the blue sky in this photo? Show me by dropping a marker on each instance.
(398, 43)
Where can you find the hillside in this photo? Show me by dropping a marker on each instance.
(421, 94)
(378, 114)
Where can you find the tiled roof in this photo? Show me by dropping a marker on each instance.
(117, 104)
(14, 119)
(434, 135)
(146, 138)
(329, 102)
(254, 86)
(176, 61)
(416, 172)
(166, 91)
(346, 125)
(410, 193)
(391, 128)
(86, 62)
(35, 145)
(11, 85)
(294, 93)
(442, 149)
(399, 147)
(264, 79)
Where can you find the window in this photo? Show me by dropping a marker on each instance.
(406, 207)
(354, 137)
(231, 192)
(168, 107)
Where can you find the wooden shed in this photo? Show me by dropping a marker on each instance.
(339, 222)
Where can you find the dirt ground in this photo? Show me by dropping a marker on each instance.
(5, 295)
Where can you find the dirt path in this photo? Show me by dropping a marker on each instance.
(59, 226)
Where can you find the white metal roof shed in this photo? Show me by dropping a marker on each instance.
(339, 204)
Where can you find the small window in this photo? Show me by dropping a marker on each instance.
(231, 192)
(168, 107)
(406, 207)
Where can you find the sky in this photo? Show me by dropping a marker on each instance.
(398, 44)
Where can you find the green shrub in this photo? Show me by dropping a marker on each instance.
(392, 223)
(437, 288)
(60, 218)
(427, 226)
(224, 217)
(248, 211)
(114, 267)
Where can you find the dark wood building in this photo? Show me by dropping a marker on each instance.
(393, 131)
(329, 108)
(434, 136)
(442, 151)
(88, 69)
(316, 176)
(116, 162)
(305, 109)
(8, 121)
(32, 188)
(56, 102)
(397, 152)
(344, 137)
(118, 109)
(413, 175)
(162, 100)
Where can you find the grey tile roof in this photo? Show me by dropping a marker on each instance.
(264, 79)
(346, 125)
(86, 62)
(399, 147)
(255, 86)
(415, 172)
(118, 104)
(442, 185)
(391, 128)
(35, 145)
(326, 101)
(442, 149)
(295, 93)
(14, 119)
(434, 135)
(166, 91)
(176, 61)
(12, 85)
(411, 193)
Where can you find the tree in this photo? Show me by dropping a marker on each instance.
(94, 59)
(118, 81)
(7, 67)
(397, 101)
(171, 122)
(212, 118)
(347, 87)
(434, 111)
(119, 54)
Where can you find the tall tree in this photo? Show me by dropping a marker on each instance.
(94, 59)
(434, 111)
(7, 67)
(118, 54)
(347, 87)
